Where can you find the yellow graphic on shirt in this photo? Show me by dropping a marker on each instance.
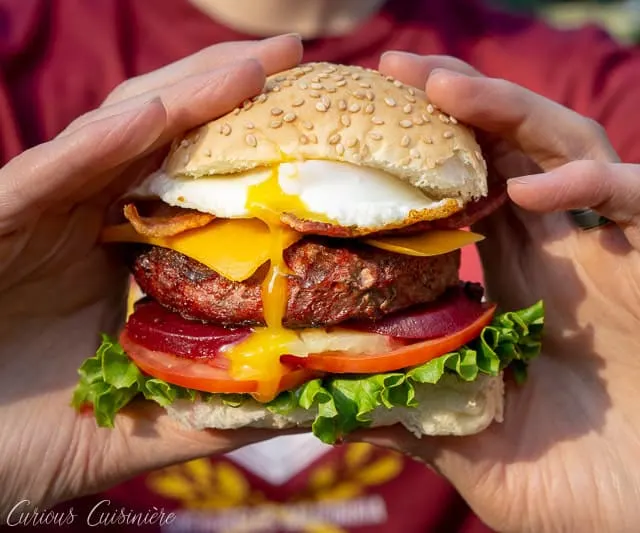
(203, 484)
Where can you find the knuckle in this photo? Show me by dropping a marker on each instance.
(122, 91)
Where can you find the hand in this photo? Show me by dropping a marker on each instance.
(565, 457)
(58, 289)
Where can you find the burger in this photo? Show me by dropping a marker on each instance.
(299, 265)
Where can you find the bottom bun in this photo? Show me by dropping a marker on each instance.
(451, 407)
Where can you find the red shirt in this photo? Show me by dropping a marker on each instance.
(60, 58)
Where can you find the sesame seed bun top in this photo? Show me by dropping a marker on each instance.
(339, 113)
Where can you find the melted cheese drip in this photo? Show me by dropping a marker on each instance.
(258, 357)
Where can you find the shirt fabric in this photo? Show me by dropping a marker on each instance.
(60, 58)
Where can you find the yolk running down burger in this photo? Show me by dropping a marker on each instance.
(299, 259)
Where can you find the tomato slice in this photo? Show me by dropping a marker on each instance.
(202, 374)
(406, 356)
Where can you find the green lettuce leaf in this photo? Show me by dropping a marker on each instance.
(341, 403)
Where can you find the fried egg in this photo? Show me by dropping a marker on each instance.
(324, 191)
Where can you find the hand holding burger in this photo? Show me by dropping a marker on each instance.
(59, 290)
(561, 461)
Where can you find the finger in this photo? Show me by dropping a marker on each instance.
(274, 54)
(56, 169)
(414, 69)
(613, 190)
(549, 133)
(31, 181)
(192, 100)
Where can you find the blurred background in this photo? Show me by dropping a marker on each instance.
(621, 18)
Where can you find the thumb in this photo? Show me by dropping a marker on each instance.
(611, 189)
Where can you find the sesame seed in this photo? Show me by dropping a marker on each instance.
(388, 78)
(356, 157)
(321, 107)
(398, 83)
(184, 143)
(341, 83)
(303, 85)
(247, 104)
(330, 89)
(409, 98)
(407, 109)
(334, 139)
(289, 117)
(405, 141)
(370, 96)
(427, 140)
(443, 118)
(342, 104)
(186, 159)
(262, 98)
(280, 78)
(345, 120)
(307, 125)
(414, 153)
(365, 85)
(323, 76)
(315, 79)
(377, 121)
(275, 124)
(326, 101)
(448, 134)
(390, 101)
(236, 111)
(313, 138)
(355, 76)
(249, 125)
(351, 143)
(355, 107)
(453, 120)
(439, 162)
(418, 121)
(426, 118)
(411, 91)
(225, 130)
(478, 155)
(297, 102)
(405, 123)
(275, 111)
(369, 109)
(208, 152)
(287, 83)
(307, 69)
(317, 86)
(364, 150)
(303, 139)
(251, 140)
(430, 109)
(359, 94)
(338, 77)
(340, 149)
(276, 88)
(375, 135)
(314, 94)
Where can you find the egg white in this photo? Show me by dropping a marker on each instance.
(341, 192)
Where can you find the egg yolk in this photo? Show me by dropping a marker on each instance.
(258, 357)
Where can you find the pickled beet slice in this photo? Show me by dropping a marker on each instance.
(156, 328)
(457, 308)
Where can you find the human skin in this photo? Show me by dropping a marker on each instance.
(566, 456)
(59, 289)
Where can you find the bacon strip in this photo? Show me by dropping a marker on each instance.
(165, 220)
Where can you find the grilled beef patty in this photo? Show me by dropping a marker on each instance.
(332, 281)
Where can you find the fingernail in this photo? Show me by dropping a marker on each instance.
(441, 71)
(524, 180)
(293, 34)
(399, 53)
